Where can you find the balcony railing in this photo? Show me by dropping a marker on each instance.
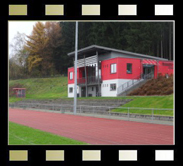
(89, 80)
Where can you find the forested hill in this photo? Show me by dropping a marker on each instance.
(44, 52)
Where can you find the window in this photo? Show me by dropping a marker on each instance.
(92, 88)
(19, 92)
(112, 87)
(71, 75)
(70, 90)
(129, 68)
(113, 68)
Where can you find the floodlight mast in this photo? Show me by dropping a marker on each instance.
(75, 68)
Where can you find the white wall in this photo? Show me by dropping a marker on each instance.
(72, 94)
(105, 87)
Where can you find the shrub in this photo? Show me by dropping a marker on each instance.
(159, 86)
(169, 91)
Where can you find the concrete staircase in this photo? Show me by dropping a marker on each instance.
(131, 88)
(66, 105)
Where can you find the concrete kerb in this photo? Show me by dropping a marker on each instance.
(93, 107)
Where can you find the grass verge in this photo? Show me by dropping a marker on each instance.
(164, 102)
(23, 135)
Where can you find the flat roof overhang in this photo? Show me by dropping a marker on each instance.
(91, 50)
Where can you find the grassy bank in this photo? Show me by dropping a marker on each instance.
(41, 88)
(56, 88)
(165, 102)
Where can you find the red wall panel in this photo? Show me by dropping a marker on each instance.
(71, 69)
(165, 67)
(79, 74)
(121, 68)
(106, 69)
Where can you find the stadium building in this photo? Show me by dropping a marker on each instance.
(103, 71)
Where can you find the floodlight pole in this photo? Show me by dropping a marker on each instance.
(75, 68)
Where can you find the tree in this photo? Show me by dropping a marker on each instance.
(54, 45)
(17, 49)
(68, 45)
(18, 60)
(38, 58)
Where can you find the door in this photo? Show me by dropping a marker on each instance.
(148, 71)
(97, 92)
(83, 91)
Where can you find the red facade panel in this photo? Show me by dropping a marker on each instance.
(79, 74)
(121, 72)
(70, 81)
(106, 69)
(122, 68)
(165, 67)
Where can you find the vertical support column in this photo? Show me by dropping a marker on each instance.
(98, 72)
(86, 78)
(75, 69)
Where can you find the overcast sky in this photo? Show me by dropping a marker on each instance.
(19, 26)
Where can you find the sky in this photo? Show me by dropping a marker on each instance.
(19, 26)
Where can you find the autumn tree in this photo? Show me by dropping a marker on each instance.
(35, 45)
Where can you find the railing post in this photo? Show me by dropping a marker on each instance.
(128, 113)
(152, 114)
(93, 110)
(109, 112)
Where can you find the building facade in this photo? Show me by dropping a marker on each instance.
(103, 71)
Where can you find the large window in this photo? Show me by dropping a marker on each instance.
(113, 68)
(129, 68)
(71, 75)
(112, 87)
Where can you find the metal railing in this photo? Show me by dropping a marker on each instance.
(125, 113)
(133, 82)
(148, 76)
(89, 80)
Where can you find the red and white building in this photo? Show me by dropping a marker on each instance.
(103, 71)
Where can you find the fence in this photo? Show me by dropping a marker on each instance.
(126, 113)
(89, 80)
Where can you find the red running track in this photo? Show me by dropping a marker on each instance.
(94, 130)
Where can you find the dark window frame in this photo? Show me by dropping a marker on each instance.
(70, 91)
(111, 87)
(128, 71)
